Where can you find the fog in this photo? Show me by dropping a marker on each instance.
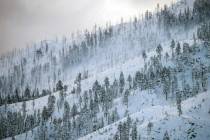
(23, 22)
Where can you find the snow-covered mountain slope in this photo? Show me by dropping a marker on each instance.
(41, 65)
(147, 78)
(194, 123)
(129, 67)
(146, 106)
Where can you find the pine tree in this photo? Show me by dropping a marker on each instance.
(149, 128)
(24, 108)
(203, 32)
(78, 83)
(103, 98)
(125, 97)
(17, 95)
(159, 50)
(96, 87)
(74, 111)
(51, 104)
(66, 113)
(125, 131)
(129, 121)
(85, 97)
(122, 82)
(178, 49)
(166, 88)
(115, 88)
(116, 137)
(45, 114)
(166, 56)
(80, 101)
(115, 115)
(201, 10)
(106, 82)
(27, 93)
(61, 99)
(144, 55)
(134, 132)
(166, 136)
(204, 78)
(120, 130)
(129, 79)
(174, 86)
(96, 103)
(178, 102)
(139, 79)
(172, 48)
(59, 85)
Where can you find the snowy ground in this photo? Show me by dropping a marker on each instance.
(195, 121)
(144, 107)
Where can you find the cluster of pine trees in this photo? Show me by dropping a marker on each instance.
(28, 95)
(100, 97)
(83, 117)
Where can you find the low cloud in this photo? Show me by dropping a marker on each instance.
(24, 21)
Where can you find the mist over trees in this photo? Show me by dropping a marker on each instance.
(93, 99)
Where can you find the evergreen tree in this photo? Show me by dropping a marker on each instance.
(144, 55)
(125, 131)
(149, 128)
(204, 78)
(174, 85)
(129, 79)
(106, 82)
(27, 93)
(51, 104)
(139, 79)
(178, 49)
(122, 82)
(59, 85)
(125, 97)
(24, 108)
(178, 102)
(115, 115)
(166, 136)
(134, 132)
(85, 97)
(115, 88)
(16, 95)
(45, 114)
(159, 50)
(166, 56)
(74, 111)
(66, 115)
(201, 10)
(203, 32)
(61, 99)
(120, 130)
(172, 48)
(78, 83)
(116, 137)
(166, 88)
(96, 103)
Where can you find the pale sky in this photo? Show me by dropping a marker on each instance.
(25, 21)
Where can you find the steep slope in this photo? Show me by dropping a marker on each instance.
(151, 73)
(194, 123)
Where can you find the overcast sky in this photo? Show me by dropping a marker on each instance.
(27, 21)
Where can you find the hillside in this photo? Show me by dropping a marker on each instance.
(144, 79)
(164, 118)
